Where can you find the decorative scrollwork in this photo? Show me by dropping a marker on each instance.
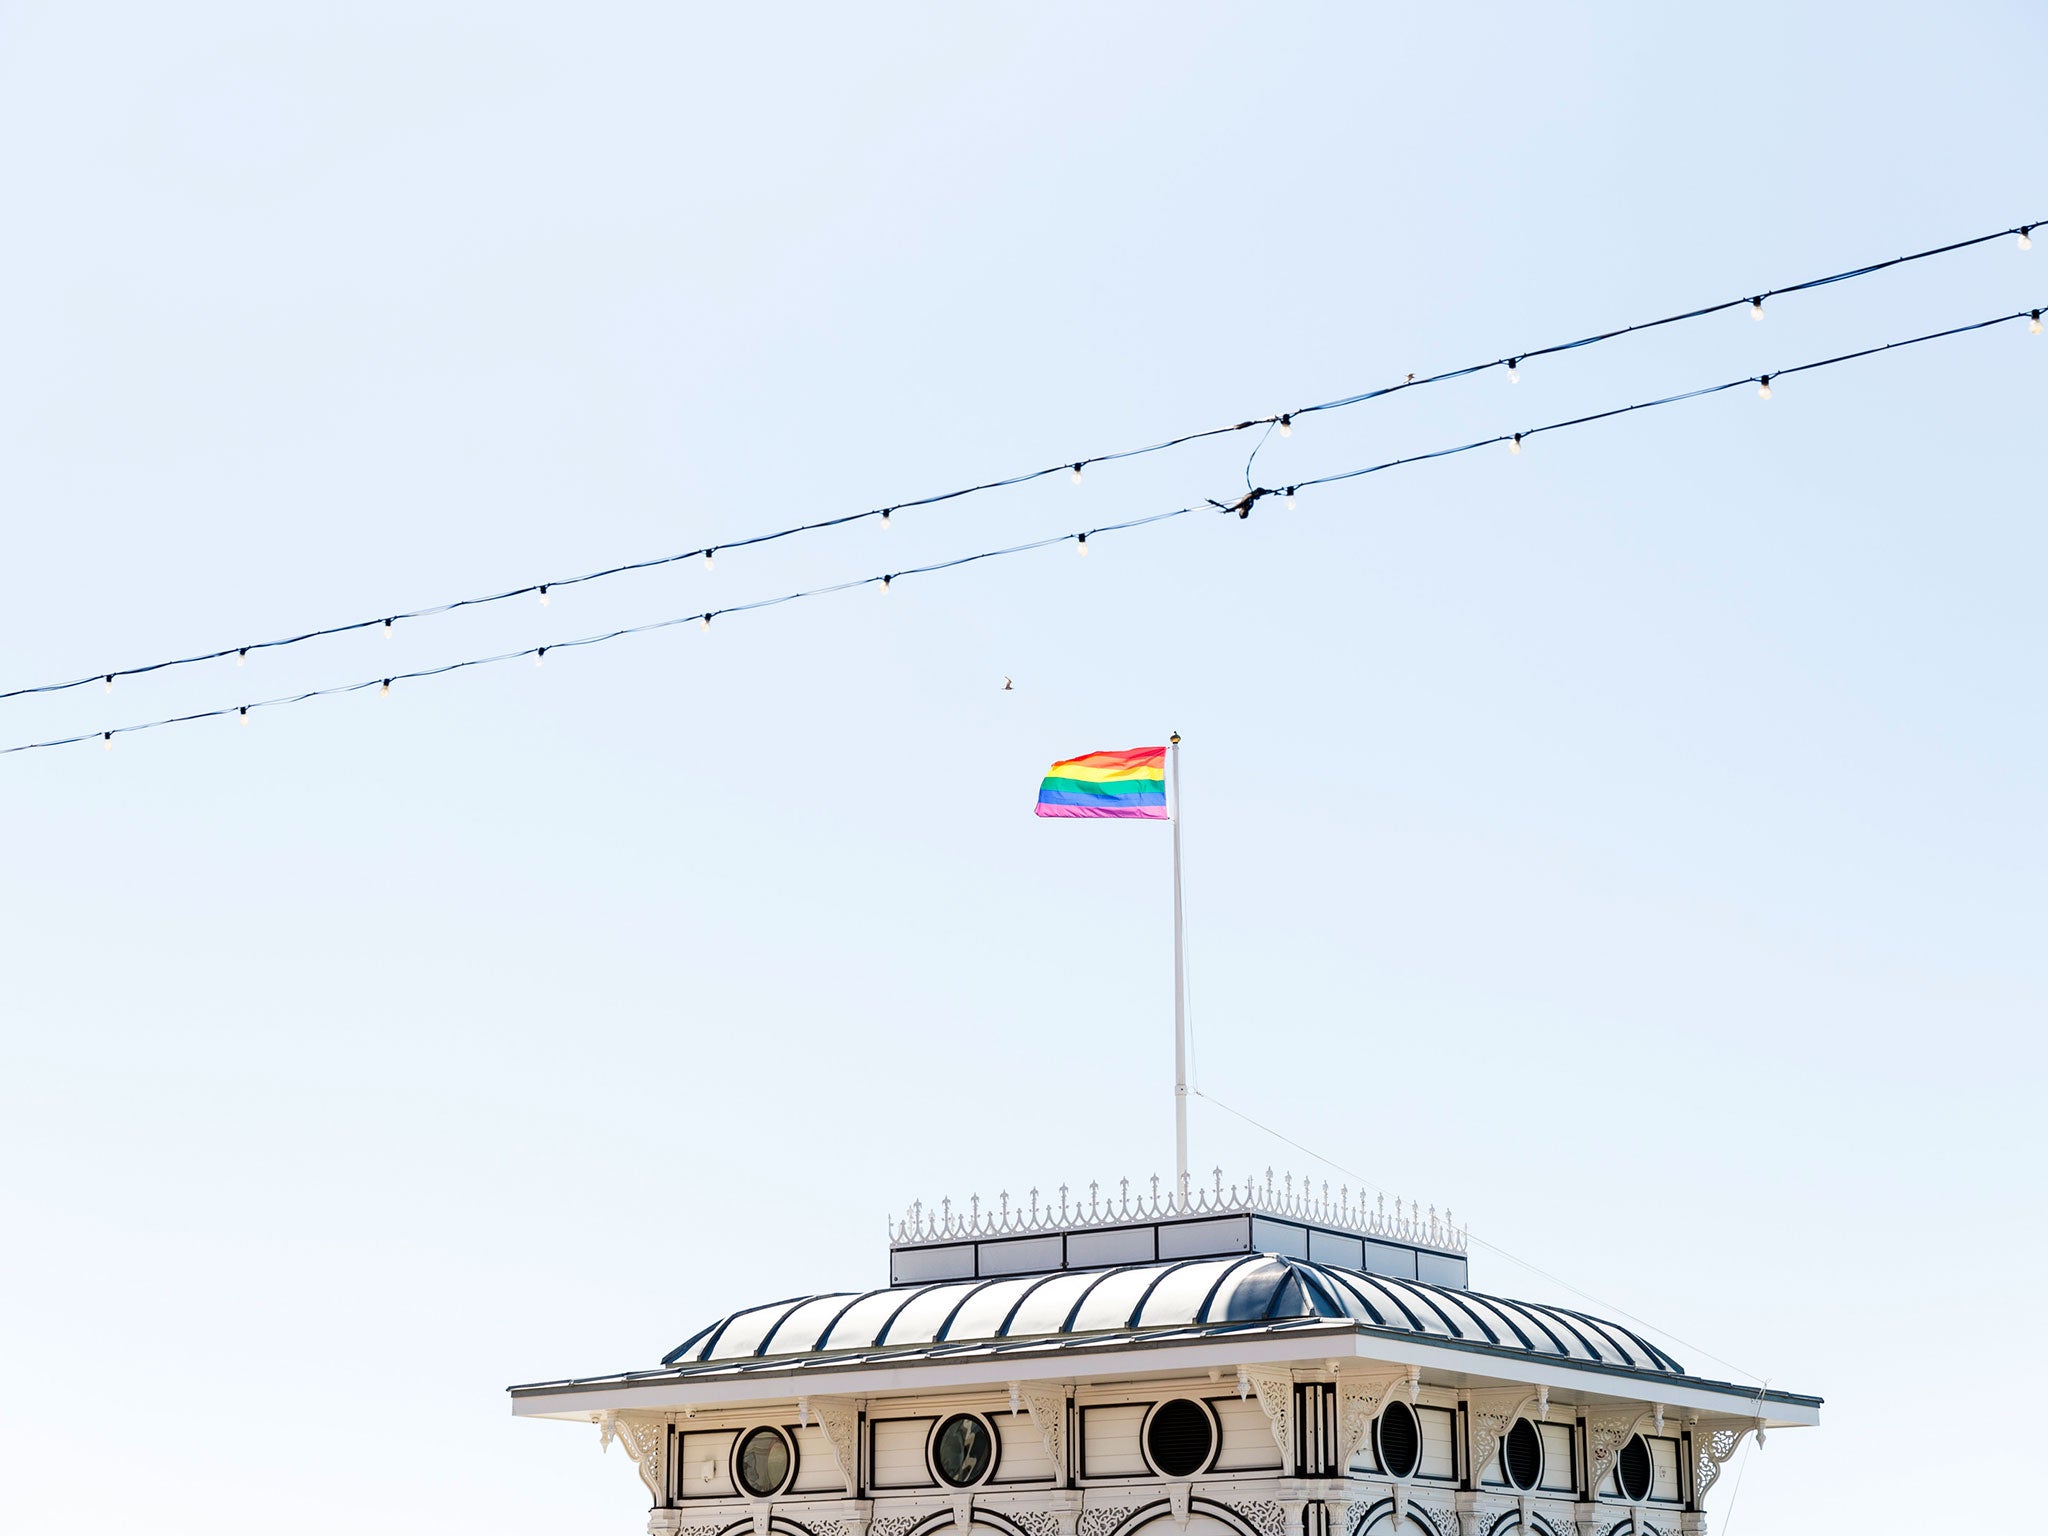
(1262, 1515)
(1100, 1522)
(1034, 1522)
(1275, 1389)
(892, 1525)
(1711, 1449)
(1442, 1519)
(1359, 1401)
(1047, 1406)
(839, 1418)
(645, 1441)
(1604, 1439)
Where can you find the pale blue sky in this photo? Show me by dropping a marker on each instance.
(1637, 845)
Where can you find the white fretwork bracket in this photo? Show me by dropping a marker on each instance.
(1359, 1401)
(1605, 1436)
(839, 1418)
(1712, 1446)
(1275, 1389)
(1047, 1406)
(645, 1440)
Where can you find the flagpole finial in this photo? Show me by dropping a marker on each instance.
(1174, 738)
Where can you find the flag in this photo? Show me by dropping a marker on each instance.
(1130, 785)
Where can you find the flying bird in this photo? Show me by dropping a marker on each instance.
(1007, 688)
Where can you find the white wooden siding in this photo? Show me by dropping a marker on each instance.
(898, 1454)
(1557, 1459)
(706, 1465)
(1022, 1457)
(1109, 1441)
(1248, 1444)
(816, 1471)
(1439, 1443)
(1664, 1463)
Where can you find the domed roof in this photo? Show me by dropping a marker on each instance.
(1214, 1294)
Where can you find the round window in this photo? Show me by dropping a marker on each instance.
(1180, 1438)
(963, 1450)
(1633, 1473)
(1397, 1440)
(762, 1462)
(1521, 1455)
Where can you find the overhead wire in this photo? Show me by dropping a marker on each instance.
(1242, 507)
(1283, 420)
(1377, 1188)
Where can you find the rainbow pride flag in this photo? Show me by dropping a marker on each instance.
(1127, 784)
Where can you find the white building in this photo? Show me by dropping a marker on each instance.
(1243, 1362)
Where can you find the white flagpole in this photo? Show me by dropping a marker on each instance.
(1180, 1002)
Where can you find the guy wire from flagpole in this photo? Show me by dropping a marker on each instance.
(1180, 1003)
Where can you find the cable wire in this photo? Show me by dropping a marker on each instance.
(1282, 419)
(1242, 507)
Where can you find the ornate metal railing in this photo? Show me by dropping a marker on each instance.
(1408, 1222)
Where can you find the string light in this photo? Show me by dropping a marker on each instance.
(1287, 426)
(109, 681)
(885, 515)
(1290, 498)
(540, 656)
(1081, 542)
(387, 625)
(543, 594)
(1763, 387)
(709, 563)
(384, 686)
(1596, 338)
(1077, 474)
(1515, 443)
(1756, 308)
(244, 720)
(2026, 237)
(384, 689)
(1514, 370)
(107, 741)
(2034, 323)
(242, 656)
(885, 583)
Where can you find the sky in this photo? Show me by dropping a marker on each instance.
(1635, 845)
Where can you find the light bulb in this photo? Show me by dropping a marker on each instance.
(1763, 387)
(106, 741)
(1081, 542)
(885, 515)
(1514, 370)
(1287, 426)
(706, 621)
(1756, 309)
(543, 595)
(384, 688)
(242, 656)
(387, 625)
(1515, 443)
(540, 656)
(1290, 498)
(2034, 323)
(2026, 237)
(885, 583)
(707, 558)
(1077, 474)
(243, 717)
(108, 682)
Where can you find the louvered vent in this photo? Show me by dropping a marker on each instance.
(1632, 1471)
(1397, 1439)
(1181, 1438)
(1521, 1456)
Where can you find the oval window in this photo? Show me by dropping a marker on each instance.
(1521, 1456)
(763, 1462)
(1181, 1438)
(1633, 1473)
(963, 1450)
(1397, 1440)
